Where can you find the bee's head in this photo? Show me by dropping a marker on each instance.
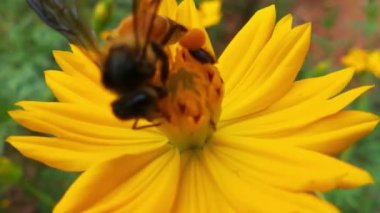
(124, 70)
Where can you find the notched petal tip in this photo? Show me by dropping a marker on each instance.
(245, 47)
(25, 104)
(355, 177)
(57, 54)
(347, 74)
(51, 74)
(15, 114)
(288, 18)
(10, 139)
(283, 26)
(305, 28)
(74, 48)
(271, 8)
(349, 71)
(365, 88)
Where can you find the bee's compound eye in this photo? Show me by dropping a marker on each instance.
(194, 39)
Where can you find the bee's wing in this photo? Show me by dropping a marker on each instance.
(64, 17)
(144, 13)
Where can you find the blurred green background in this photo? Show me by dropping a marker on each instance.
(25, 51)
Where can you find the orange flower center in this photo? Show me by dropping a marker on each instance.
(193, 105)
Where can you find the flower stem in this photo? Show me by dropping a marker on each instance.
(364, 102)
(40, 195)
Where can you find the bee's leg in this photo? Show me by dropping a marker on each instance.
(194, 41)
(136, 127)
(175, 32)
(161, 54)
(202, 56)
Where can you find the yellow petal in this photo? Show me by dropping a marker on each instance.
(188, 16)
(73, 156)
(271, 75)
(256, 196)
(70, 89)
(329, 135)
(81, 130)
(71, 64)
(306, 90)
(245, 46)
(320, 88)
(333, 134)
(210, 12)
(89, 68)
(130, 183)
(291, 119)
(168, 8)
(283, 26)
(286, 167)
(197, 192)
(86, 113)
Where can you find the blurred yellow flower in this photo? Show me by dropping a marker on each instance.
(270, 150)
(363, 60)
(210, 12)
(102, 10)
(356, 58)
(374, 62)
(102, 14)
(5, 203)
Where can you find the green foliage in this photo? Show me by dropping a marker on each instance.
(371, 24)
(25, 48)
(330, 19)
(10, 173)
(102, 14)
(25, 53)
(283, 7)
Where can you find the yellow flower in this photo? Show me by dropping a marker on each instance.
(270, 150)
(374, 62)
(363, 60)
(356, 58)
(210, 12)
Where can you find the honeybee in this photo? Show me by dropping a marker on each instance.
(129, 58)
